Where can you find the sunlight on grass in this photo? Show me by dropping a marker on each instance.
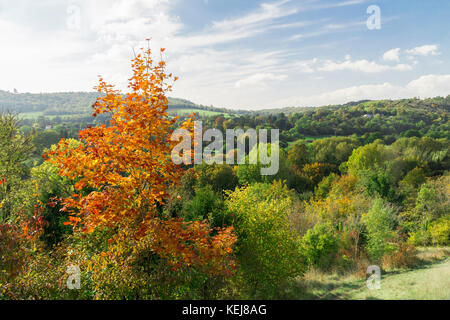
(429, 280)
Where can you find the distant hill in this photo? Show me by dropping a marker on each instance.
(289, 110)
(79, 103)
(63, 104)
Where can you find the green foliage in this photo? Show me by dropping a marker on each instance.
(371, 157)
(334, 150)
(219, 176)
(420, 238)
(320, 246)
(250, 171)
(206, 204)
(380, 223)
(433, 200)
(268, 247)
(379, 183)
(51, 188)
(45, 139)
(15, 149)
(431, 203)
(440, 231)
(425, 150)
(298, 155)
(414, 178)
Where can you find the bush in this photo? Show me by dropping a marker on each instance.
(268, 246)
(420, 238)
(403, 256)
(380, 222)
(320, 246)
(13, 252)
(204, 204)
(219, 176)
(322, 190)
(440, 231)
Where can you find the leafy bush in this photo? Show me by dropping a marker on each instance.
(324, 187)
(202, 204)
(207, 204)
(380, 222)
(440, 231)
(320, 246)
(420, 238)
(219, 176)
(268, 246)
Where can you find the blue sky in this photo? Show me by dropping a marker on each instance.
(233, 53)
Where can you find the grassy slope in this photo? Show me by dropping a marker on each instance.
(430, 280)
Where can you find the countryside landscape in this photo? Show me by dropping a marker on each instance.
(94, 207)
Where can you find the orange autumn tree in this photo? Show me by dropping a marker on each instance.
(123, 171)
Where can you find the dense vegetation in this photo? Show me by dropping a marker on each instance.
(359, 184)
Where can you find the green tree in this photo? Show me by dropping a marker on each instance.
(15, 149)
(380, 223)
(334, 150)
(298, 155)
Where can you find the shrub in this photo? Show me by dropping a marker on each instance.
(219, 176)
(204, 203)
(440, 231)
(320, 246)
(322, 190)
(50, 188)
(13, 252)
(380, 222)
(420, 238)
(403, 256)
(268, 246)
(317, 171)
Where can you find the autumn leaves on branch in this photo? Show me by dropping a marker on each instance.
(122, 173)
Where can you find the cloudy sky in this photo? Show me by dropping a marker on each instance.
(243, 54)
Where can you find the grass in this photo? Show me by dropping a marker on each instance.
(429, 279)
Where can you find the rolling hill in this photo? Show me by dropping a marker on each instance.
(33, 105)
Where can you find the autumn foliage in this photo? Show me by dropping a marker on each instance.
(123, 172)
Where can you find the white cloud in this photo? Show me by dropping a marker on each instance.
(318, 65)
(259, 80)
(392, 55)
(337, 4)
(425, 50)
(340, 96)
(327, 29)
(304, 66)
(430, 86)
(267, 12)
(424, 87)
(362, 66)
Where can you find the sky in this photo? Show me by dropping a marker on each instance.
(238, 54)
